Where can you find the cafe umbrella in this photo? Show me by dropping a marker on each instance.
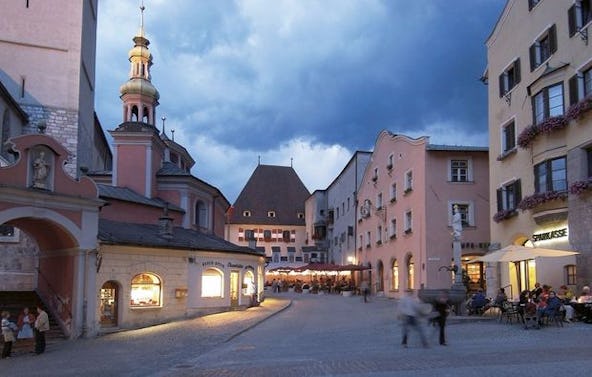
(516, 253)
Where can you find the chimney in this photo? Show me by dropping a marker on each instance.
(165, 224)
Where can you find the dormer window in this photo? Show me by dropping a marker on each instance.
(270, 213)
(246, 213)
(300, 215)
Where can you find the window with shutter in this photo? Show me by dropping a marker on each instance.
(578, 16)
(509, 137)
(543, 47)
(510, 77)
(509, 195)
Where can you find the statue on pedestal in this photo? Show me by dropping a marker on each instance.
(456, 224)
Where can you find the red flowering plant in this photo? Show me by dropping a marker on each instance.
(579, 187)
(527, 136)
(539, 198)
(547, 126)
(504, 214)
(578, 109)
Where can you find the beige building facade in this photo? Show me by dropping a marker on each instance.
(539, 74)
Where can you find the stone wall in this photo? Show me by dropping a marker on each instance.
(62, 124)
(18, 263)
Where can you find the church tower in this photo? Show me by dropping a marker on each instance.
(138, 147)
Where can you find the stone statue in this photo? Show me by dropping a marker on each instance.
(456, 224)
(40, 171)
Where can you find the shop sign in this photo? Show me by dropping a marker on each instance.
(234, 265)
(212, 263)
(550, 235)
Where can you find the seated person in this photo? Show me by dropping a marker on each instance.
(478, 302)
(498, 302)
(585, 297)
(548, 307)
(536, 292)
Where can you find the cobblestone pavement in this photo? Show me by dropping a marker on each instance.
(314, 335)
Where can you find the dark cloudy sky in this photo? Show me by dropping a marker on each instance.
(312, 80)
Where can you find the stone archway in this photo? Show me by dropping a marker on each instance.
(61, 215)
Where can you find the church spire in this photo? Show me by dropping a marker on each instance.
(139, 96)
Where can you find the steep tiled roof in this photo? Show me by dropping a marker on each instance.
(148, 235)
(271, 188)
(127, 195)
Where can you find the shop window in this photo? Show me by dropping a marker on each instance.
(212, 283)
(395, 275)
(410, 273)
(146, 290)
(550, 175)
(547, 103)
(543, 47)
(249, 283)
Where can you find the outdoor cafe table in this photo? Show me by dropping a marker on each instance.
(583, 311)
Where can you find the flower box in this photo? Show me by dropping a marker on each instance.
(536, 199)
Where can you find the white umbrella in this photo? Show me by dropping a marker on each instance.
(515, 253)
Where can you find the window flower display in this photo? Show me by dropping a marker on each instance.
(539, 198)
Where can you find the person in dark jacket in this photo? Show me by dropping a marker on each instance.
(442, 307)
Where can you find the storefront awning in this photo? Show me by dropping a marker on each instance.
(516, 253)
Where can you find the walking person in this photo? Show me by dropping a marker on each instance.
(364, 288)
(41, 326)
(8, 329)
(409, 309)
(442, 307)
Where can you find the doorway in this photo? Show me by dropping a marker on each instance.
(108, 304)
(234, 288)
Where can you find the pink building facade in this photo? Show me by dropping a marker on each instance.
(405, 208)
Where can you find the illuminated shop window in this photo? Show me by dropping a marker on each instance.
(395, 275)
(212, 283)
(249, 283)
(146, 290)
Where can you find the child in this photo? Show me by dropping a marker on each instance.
(8, 329)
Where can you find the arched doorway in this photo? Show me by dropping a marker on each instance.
(380, 277)
(109, 304)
